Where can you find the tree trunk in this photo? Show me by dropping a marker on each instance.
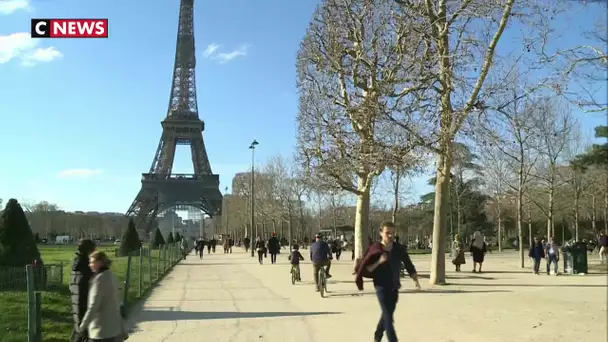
(520, 209)
(290, 232)
(593, 218)
(396, 199)
(442, 188)
(458, 216)
(320, 213)
(530, 235)
(362, 216)
(550, 209)
(451, 201)
(499, 227)
(335, 221)
(301, 218)
(576, 210)
(605, 210)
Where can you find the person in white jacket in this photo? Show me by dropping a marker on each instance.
(103, 320)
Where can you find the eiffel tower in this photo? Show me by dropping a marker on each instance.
(160, 188)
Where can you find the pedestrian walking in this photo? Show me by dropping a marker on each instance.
(260, 247)
(603, 245)
(246, 243)
(273, 247)
(383, 263)
(201, 247)
(79, 287)
(552, 253)
(458, 257)
(103, 320)
(478, 251)
(185, 248)
(225, 245)
(213, 244)
(537, 253)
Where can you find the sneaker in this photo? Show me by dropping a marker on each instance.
(328, 276)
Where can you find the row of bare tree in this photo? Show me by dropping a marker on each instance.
(384, 83)
(47, 220)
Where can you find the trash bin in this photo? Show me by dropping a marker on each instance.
(579, 258)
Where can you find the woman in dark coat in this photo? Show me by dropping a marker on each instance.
(79, 287)
(260, 247)
(478, 250)
(273, 247)
(537, 252)
(458, 258)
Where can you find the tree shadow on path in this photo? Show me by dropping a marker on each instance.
(168, 315)
(203, 264)
(530, 285)
(423, 291)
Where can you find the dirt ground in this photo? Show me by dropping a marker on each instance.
(232, 298)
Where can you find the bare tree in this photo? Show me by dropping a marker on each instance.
(573, 175)
(496, 170)
(299, 190)
(555, 125)
(512, 132)
(335, 199)
(353, 68)
(460, 40)
(584, 65)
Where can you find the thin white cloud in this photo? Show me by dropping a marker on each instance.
(21, 45)
(10, 6)
(79, 173)
(41, 55)
(210, 50)
(226, 57)
(14, 45)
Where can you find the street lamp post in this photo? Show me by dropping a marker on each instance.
(254, 143)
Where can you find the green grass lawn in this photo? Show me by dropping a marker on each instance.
(56, 302)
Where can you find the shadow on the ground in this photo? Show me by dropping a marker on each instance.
(163, 315)
(507, 272)
(423, 291)
(530, 285)
(210, 264)
(470, 277)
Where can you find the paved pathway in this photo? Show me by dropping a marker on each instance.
(230, 298)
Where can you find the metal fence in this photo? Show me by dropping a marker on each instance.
(32, 297)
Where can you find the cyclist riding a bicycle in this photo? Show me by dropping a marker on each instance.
(295, 257)
(320, 255)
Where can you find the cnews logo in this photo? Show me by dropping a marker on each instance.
(69, 28)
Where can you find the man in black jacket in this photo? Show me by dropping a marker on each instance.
(79, 287)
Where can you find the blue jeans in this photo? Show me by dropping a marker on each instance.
(536, 264)
(388, 298)
(552, 259)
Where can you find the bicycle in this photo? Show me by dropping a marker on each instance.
(322, 285)
(295, 274)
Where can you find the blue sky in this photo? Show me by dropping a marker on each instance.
(81, 118)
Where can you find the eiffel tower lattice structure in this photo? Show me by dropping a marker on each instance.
(160, 188)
